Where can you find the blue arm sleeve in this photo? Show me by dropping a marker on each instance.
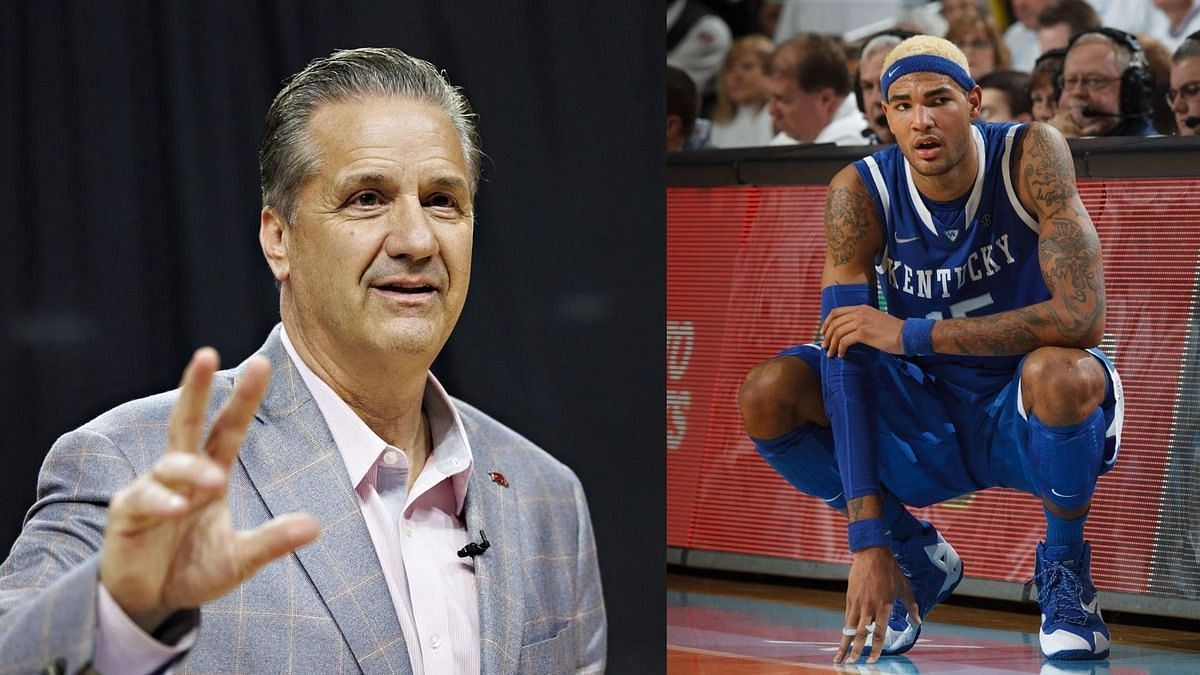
(850, 400)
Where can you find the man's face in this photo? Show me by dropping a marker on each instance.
(378, 259)
(1185, 83)
(1044, 105)
(1092, 79)
(796, 112)
(1027, 11)
(931, 117)
(1053, 37)
(869, 72)
(994, 106)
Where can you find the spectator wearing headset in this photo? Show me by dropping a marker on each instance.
(1106, 86)
(1184, 94)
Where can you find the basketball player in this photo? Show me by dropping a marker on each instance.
(982, 373)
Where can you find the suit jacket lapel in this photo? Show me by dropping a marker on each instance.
(294, 464)
(498, 574)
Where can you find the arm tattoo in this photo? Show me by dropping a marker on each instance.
(1049, 174)
(846, 222)
(867, 506)
(1069, 256)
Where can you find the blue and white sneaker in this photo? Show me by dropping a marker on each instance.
(934, 570)
(1072, 627)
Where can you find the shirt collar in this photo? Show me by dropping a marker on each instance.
(360, 447)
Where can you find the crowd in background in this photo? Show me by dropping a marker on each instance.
(745, 73)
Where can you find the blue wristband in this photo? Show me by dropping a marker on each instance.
(867, 533)
(917, 336)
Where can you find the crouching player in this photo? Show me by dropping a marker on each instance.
(982, 373)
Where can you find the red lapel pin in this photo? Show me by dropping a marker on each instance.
(498, 478)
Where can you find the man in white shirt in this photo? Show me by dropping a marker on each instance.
(1175, 20)
(1022, 36)
(809, 84)
(334, 443)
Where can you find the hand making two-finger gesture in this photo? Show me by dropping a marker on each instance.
(169, 543)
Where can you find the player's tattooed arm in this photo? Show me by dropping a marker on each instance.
(1069, 255)
(852, 231)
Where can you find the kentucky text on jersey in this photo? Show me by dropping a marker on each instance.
(947, 280)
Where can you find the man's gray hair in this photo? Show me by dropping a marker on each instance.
(1126, 57)
(288, 157)
(879, 43)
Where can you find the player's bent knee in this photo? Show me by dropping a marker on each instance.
(779, 395)
(1062, 385)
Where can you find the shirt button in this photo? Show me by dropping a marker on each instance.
(435, 641)
(407, 529)
(391, 457)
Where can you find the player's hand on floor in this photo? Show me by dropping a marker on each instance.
(874, 584)
(848, 326)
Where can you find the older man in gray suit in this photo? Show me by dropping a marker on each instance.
(325, 507)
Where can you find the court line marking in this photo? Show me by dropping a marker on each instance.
(756, 659)
(834, 645)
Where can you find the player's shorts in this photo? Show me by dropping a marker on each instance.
(934, 445)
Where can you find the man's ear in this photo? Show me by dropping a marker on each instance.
(975, 101)
(272, 236)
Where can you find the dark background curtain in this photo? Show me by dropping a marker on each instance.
(129, 192)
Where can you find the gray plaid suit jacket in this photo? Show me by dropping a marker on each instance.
(326, 608)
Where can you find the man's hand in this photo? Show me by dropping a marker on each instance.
(848, 326)
(169, 543)
(874, 584)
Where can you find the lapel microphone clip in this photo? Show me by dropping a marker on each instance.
(473, 549)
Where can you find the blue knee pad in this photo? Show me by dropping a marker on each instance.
(804, 456)
(1064, 462)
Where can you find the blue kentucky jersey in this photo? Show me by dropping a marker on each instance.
(974, 256)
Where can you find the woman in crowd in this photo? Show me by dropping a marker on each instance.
(1043, 87)
(980, 40)
(740, 118)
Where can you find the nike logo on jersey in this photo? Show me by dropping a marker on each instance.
(905, 240)
(1059, 494)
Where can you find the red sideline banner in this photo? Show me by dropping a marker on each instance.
(743, 273)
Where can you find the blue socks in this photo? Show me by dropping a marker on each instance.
(1064, 533)
(1064, 461)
